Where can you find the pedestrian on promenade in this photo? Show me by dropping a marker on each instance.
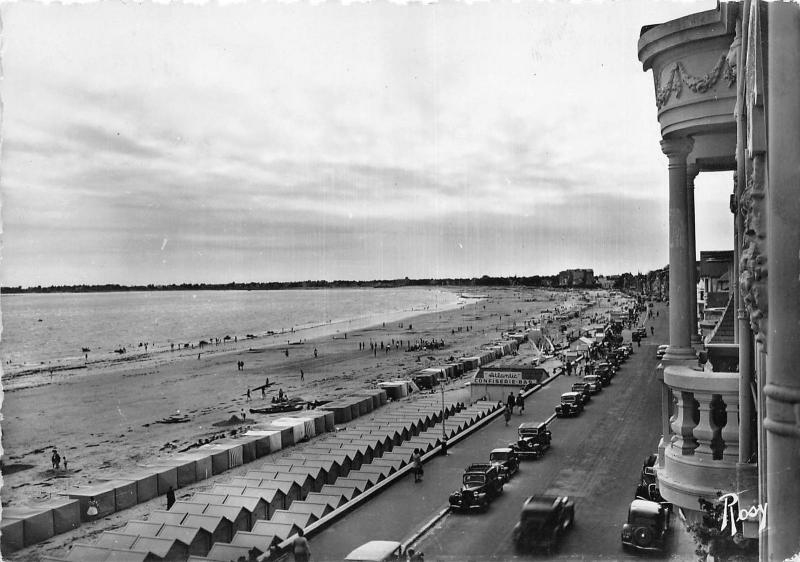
(507, 415)
(521, 402)
(416, 459)
(302, 553)
(511, 401)
(652, 330)
(170, 498)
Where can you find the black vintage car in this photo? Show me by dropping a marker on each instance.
(481, 485)
(506, 460)
(584, 389)
(534, 440)
(542, 521)
(594, 383)
(647, 526)
(571, 405)
(605, 371)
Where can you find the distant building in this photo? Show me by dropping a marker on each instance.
(576, 278)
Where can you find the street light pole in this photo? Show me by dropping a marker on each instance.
(444, 433)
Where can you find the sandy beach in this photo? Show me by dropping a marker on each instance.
(104, 420)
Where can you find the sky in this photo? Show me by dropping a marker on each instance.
(169, 143)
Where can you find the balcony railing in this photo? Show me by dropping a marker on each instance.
(702, 451)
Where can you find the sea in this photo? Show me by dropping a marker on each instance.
(54, 329)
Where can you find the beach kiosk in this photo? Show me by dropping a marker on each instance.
(507, 375)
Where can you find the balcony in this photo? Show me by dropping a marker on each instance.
(694, 75)
(702, 452)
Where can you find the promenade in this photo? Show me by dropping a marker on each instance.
(596, 458)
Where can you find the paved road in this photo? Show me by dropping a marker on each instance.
(595, 457)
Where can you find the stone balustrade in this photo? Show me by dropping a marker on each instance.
(701, 453)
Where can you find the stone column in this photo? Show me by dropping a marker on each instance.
(782, 390)
(680, 261)
(691, 173)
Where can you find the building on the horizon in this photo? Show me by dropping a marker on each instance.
(576, 278)
(727, 93)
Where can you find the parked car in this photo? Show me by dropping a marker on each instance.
(506, 460)
(571, 405)
(605, 372)
(533, 440)
(481, 484)
(642, 331)
(646, 527)
(594, 383)
(648, 484)
(377, 551)
(542, 522)
(584, 390)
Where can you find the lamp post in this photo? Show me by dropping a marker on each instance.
(444, 433)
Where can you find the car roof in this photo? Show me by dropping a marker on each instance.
(645, 507)
(573, 394)
(373, 551)
(541, 503)
(532, 425)
(501, 450)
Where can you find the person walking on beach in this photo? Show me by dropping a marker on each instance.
(300, 547)
(248, 394)
(55, 458)
(64, 460)
(302, 375)
(315, 353)
(170, 498)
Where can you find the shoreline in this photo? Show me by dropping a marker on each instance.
(45, 373)
(106, 424)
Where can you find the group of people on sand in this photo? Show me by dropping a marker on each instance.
(57, 460)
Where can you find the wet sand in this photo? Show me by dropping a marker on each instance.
(104, 421)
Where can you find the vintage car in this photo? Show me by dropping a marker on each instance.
(648, 484)
(542, 521)
(481, 485)
(662, 349)
(594, 383)
(642, 331)
(506, 460)
(646, 527)
(584, 390)
(533, 440)
(605, 371)
(571, 405)
(377, 551)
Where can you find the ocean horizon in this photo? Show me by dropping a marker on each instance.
(53, 330)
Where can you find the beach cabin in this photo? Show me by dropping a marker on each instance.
(236, 514)
(300, 519)
(281, 531)
(332, 500)
(256, 507)
(138, 485)
(318, 510)
(196, 539)
(261, 543)
(266, 441)
(220, 528)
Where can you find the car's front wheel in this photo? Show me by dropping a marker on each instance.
(643, 536)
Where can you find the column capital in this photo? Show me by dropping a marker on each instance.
(677, 147)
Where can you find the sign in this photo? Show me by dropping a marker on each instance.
(511, 378)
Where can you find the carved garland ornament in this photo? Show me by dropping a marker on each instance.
(678, 76)
(753, 261)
